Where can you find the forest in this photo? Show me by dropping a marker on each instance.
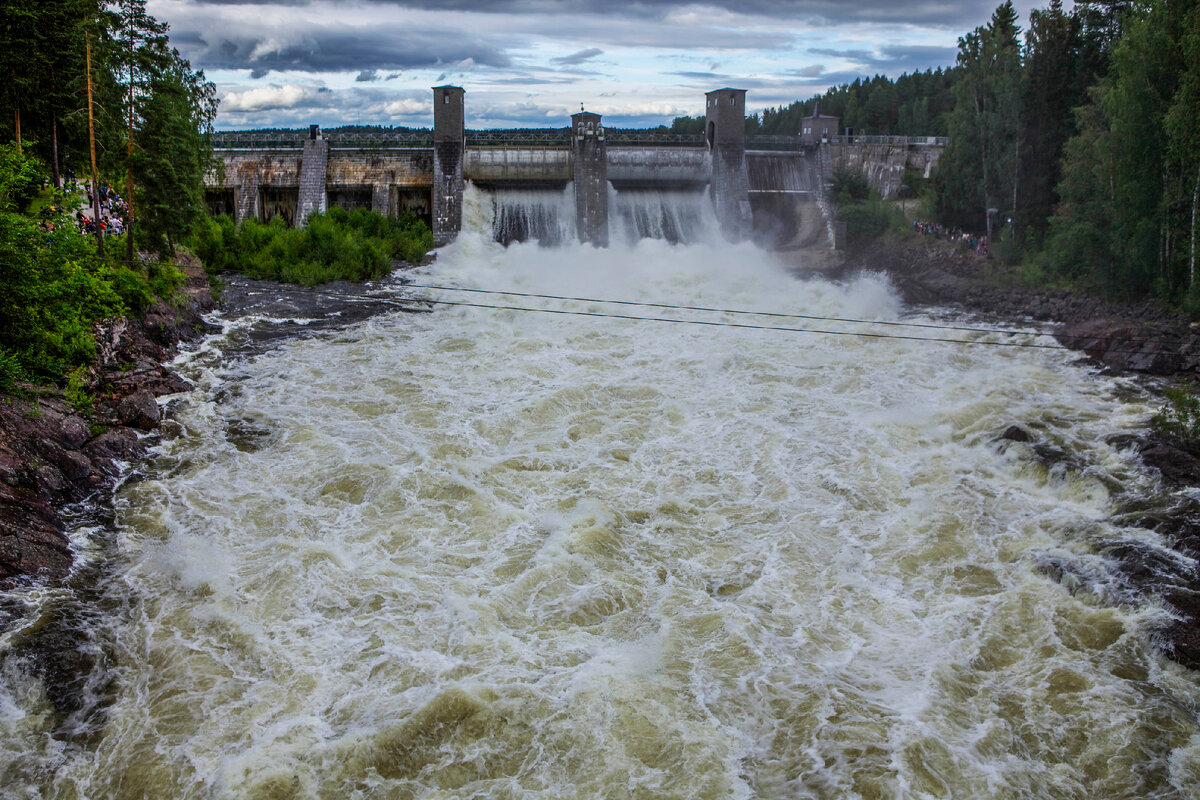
(149, 110)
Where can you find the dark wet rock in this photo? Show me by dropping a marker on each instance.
(1140, 337)
(246, 436)
(139, 410)
(1178, 467)
(1180, 637)
(1015, 433)
(69, 663)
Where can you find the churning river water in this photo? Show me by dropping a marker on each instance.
(482, 553)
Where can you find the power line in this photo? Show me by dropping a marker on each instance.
(734, 311)
(1115, 340)
(743, 325)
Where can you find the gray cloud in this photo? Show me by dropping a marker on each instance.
(367, 76)
(896, 58)
(336, 51)
(941, 13)
(579, 57)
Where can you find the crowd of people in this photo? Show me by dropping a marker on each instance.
(977, 243)
(113, 210)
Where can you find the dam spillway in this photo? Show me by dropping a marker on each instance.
(745, 177)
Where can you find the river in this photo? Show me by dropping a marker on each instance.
(508, 554)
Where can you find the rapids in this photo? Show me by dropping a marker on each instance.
(496, 553)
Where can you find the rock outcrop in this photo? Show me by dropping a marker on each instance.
(54, 454)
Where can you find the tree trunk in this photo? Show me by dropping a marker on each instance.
(129, 154)
(1195, 202)
(92, 146)
(54, 148)
(17, 118)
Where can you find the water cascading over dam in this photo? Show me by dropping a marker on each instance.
(547, 216)
(486, 552)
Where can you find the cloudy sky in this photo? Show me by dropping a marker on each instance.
(531, 63)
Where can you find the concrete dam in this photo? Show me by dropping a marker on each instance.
(578, 183)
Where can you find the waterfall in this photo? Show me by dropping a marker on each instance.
(675, 216)
(544, 215)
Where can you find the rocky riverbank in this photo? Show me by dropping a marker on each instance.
(56, 454)
(1144, 339)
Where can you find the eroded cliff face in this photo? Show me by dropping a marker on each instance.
(55, 455)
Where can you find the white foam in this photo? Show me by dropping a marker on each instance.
(501, 550)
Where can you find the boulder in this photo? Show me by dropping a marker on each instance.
(139, 410)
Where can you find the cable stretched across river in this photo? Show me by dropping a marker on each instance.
(424, 304)
(742, 325)
(1138, 345)
(733, 311)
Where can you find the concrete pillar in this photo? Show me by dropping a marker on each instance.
(590, 158)
(313, 166)
(448, 151)
(245, 195)
(381, 199)
(725, 134)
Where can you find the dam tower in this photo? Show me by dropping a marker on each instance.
(725, 137)
(590, 175)
(449, 147)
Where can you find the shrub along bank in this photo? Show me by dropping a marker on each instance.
(337, 245)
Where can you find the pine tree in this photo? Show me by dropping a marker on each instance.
(979, 171)
(1053, 88)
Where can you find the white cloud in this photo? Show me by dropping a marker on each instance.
(408, 108)
(267, 98)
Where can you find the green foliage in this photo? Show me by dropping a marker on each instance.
(1131, 176)
(11, 372)
(980, 168)
(338, 245)
(866, 215)
(56, 286)
(871, 219)
(912, 105)
(77, 394)
(20, 176)
(1178, 420)
(850, 186)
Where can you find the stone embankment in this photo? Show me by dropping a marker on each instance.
(54, 456)
(1143, 339)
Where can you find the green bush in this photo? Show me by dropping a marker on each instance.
(870, 219)
(1178, 420)
(337, 245)
(850, 186)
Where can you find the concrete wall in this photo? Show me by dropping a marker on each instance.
(503, 165)
(448, 150)
(658, 167)
(385, 171)
(755, 193)
(247, 171)
(313, 164)
(884, 164)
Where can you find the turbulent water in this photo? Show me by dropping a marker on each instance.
(497, 553)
